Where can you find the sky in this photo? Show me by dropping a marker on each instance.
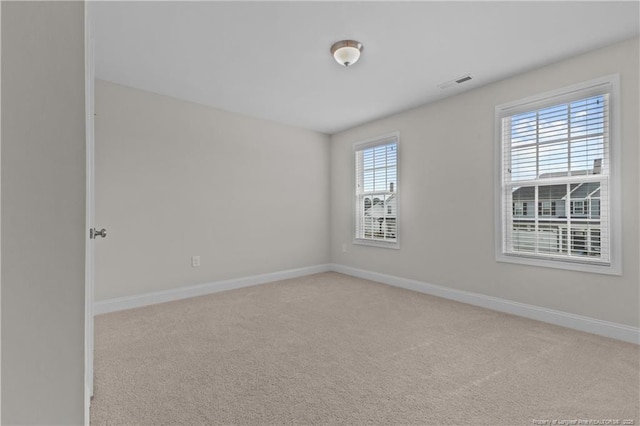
(558, 139)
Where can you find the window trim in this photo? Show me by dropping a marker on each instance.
(360, 145)
(542, 100)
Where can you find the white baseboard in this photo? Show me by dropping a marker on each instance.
(129, 302)
(564, 319)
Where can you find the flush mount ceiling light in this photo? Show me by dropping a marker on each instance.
(346, 52)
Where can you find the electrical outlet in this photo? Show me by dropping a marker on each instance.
(195, 261)
(344, 247)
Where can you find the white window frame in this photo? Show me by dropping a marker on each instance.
(576, 91)
(369, 143)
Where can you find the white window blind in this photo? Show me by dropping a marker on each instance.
(376, 221)
(556, 177)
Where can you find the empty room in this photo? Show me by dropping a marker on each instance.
(248, 213)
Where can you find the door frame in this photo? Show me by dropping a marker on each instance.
(90, 211)
(0, 215)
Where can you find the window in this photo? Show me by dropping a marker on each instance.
(578, 208)
(556, 151)
(544, 208)
(518, 208)
(376, 189)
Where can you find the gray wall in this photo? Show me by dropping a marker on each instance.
(43, 212)
(176, 179)
(447, 195)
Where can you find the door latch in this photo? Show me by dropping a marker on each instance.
(94, 233)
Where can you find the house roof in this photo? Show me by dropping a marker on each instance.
(583, 190)
(377, 209)
(556, 192)
(548, 192)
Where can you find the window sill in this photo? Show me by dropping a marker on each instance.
(376, 243)
(613, 269)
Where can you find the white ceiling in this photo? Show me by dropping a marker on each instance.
(271, 59)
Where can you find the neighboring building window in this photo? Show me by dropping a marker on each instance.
(578, 208)
(555, 153)
(518, 208)
(544, 208)
(376, 221)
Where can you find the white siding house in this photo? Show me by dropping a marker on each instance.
(380, 213)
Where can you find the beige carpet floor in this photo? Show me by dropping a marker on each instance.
(333, 349)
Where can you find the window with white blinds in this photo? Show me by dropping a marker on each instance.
(555, 176)
(376, 209)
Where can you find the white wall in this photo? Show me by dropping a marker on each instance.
(447, 196)
(176, 179)
(43, 212)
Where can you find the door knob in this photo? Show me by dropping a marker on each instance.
(94, 233)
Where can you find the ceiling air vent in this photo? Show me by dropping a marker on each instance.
(458, 80)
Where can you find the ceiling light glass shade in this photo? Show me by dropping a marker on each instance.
(346, 52)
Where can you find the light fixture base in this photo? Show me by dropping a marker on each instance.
(346, 52)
